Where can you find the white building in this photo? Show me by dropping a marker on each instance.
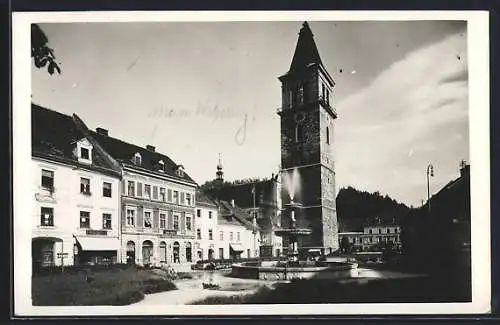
(75, 187)
(223, 232)
(157, 204)
(373, 237)
(207, 232)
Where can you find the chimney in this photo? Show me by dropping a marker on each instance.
(150, 148)
(102, 131)
(232, 203)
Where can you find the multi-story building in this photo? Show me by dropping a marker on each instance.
(223, 231)
(238, 237)
(260, 199)
(206, 224)
(76, 192)
(374, 237)
(157, 204)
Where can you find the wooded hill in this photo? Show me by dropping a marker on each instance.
(356, 208)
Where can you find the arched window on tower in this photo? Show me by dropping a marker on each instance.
(327, 135)
(290, 98)
(305, 93)
(300, 95)
(298, 132)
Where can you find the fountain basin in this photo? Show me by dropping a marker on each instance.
(277, 271)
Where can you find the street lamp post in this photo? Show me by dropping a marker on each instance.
(430, 173)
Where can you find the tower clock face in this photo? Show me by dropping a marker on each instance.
(299, 117)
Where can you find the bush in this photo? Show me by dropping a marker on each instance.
(158, 285)
(109, 287)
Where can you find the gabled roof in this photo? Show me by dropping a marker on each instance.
(244, 197)
(124, 152)
(234, 215)
(54, 136)
(204, 199)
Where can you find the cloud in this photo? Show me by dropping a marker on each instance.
(419, 105)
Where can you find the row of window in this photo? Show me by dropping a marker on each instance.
(301, 95)
(383, 231)
(47, 219)
(299, 133)
(381, 239)
(198, 213)
(147, 220)
(137, 189)
(47, 183)
(221, 235)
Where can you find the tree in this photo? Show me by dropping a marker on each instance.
(42, 54)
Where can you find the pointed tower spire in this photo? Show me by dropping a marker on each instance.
(306, 51)
(219, 174)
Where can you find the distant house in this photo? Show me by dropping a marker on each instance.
(223, 230)
(259, 199)
(376, 234)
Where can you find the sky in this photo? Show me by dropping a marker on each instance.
(197, 89)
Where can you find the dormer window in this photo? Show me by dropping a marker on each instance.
(84, 151)
(137, 159)
(161, 166)
(180, 171)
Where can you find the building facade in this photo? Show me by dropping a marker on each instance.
(373, 238)
(260, 199)
(207, 232)
(157, 204)
(307, 146)
(223, 231)
(76, 191)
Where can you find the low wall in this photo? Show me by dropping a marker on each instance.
(332, 270)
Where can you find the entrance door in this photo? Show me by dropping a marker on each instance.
(189, 252)
(210, 254)
(176, 252)
(42, 253)
(147, 252)
(163, 252)
(130, 252)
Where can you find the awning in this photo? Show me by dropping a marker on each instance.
(236, 247)
(98, 244)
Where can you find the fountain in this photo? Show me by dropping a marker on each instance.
(293, 233)
(294, 267)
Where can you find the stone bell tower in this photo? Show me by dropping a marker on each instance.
(307, 126)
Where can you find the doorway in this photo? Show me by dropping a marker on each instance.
(176, 252)
(147, 252)
(130, 252)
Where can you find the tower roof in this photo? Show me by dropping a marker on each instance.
(306, 51)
